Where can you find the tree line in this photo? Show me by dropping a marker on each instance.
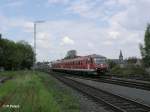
(145, 49)
(16, 55)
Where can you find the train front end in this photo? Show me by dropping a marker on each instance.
(100, 64)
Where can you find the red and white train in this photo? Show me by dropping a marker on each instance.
(91, 64)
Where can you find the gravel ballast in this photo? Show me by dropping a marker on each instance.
(86, 103)
(139, 95)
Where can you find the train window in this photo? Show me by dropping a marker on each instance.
(86, 61)
(100, 60)
(91, 60)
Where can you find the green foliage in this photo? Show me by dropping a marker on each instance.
(145, 50)
(36, 92)
(129, 71)
(112, 64)
(132, 60)
(71, 54)
(14, 56)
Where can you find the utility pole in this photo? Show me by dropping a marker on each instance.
(35, 40)
(35, 25)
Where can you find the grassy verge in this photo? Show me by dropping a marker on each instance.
(35, 92)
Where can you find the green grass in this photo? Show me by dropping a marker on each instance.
(36, 92)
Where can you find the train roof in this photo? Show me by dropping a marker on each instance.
(96, 56)
(79, 58)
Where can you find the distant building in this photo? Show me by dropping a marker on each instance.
(120, 61)
(43, 65)
(121, 57)
(115, 61)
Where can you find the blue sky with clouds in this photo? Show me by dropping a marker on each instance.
(89, 26)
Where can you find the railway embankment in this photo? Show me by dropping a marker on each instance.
(31, 91)
(138, 95)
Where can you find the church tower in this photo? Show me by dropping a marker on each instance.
(121, 57)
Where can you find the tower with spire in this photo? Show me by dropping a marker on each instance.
(121, 57)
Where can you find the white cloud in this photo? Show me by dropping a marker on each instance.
(91, 45)
(10, 23)
(95, 9)
(56, 37)
(67, 41)
(125, 21)
(85, 8)
(114, 34)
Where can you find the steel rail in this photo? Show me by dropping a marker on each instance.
(116, 81)
(115, 102)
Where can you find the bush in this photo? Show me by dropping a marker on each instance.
(111, 64)
(129, 71)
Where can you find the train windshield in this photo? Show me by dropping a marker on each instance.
(99, 60)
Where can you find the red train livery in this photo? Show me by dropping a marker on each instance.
(94, 64)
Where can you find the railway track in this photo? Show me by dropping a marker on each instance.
(117, 81)
(127, 82)
(114, 102)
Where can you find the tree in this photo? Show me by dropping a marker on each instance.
(1, 53)
(112, 64)
(132, 60)
(8, 53)
(27, 54)
(15, 56)
(71, 54)
(145, 49)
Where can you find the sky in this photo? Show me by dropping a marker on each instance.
(89, 26)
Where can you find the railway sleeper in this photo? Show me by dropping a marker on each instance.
(136, 110)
